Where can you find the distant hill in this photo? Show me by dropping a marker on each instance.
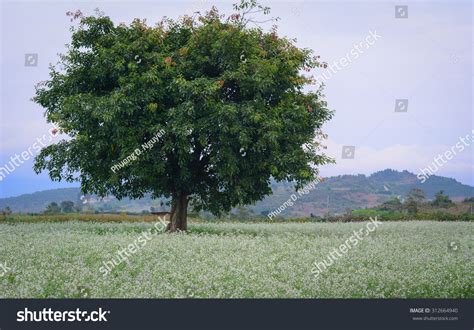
(344, 192)
(37, 201)
(358, 192)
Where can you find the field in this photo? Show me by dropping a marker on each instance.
(410, 259)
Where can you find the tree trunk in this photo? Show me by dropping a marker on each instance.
(172, 212)
(179, 213)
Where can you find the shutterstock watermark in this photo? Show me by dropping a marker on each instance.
(293, 198)
(4, 269)
(48, 315)
(439, 160)
(342, 250)
(17, 160)
(352, 55)
(139, 242)
(134, 155)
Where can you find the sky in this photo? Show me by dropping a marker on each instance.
(401, 87)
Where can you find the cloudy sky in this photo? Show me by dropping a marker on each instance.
(423, 58)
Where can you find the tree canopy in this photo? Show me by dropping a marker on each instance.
(52, 208)
(442, 200)
(230, 100)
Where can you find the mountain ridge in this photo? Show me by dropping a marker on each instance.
(335, 194)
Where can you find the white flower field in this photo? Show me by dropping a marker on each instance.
(414, 259)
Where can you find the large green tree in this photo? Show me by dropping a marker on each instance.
(224, 102)
(52, 208)
(67, 206)
(442, 200)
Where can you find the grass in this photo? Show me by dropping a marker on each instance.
(218, 260)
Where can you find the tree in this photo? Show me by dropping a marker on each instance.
(67, 206)
(393, 204)
(411, 206)
(413, 199)
(243, 213)
(229, 102)
(442, 200)
(417, 195)
(468, 200)
(52, 208)
(5, 213)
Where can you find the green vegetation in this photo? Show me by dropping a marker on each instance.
(441, 200)
(67, 207)
(398, 260)
(229, 100)
(415, 207)
(52, 208)
(373, 213)
(85, 217)
(38, 201)
(6, 211)
(361, 215)
(345, 192)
